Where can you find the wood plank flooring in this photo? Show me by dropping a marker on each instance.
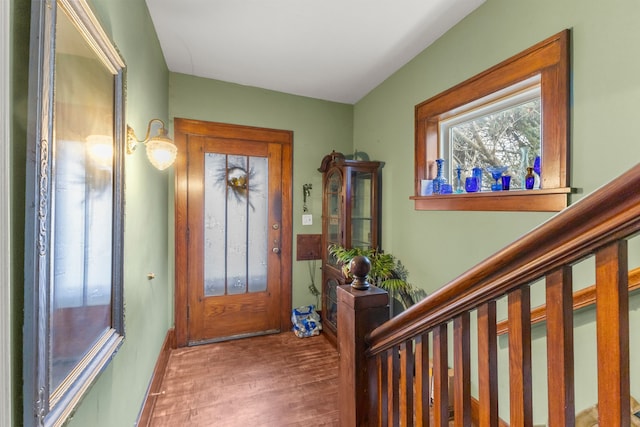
(274, 380)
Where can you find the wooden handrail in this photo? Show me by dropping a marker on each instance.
(386, 368)
(581, 299)
(608, 214)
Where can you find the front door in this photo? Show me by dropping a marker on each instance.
(233, 225)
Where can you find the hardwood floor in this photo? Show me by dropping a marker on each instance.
(274, 380)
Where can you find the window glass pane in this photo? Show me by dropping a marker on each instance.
(507, 137)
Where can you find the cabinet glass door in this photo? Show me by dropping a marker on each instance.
(334, 211)
(361, 209)
(331, 302)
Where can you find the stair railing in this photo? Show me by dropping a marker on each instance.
(396, 373)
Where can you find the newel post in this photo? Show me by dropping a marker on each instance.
(361, 308)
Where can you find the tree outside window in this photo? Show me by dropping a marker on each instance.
(507, 134)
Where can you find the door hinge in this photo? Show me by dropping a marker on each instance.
(188, 313)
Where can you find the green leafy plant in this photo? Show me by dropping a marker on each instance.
(386, 272)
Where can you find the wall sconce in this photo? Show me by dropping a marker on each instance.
(161, 151)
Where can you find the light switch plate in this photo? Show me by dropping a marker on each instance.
(307, 219)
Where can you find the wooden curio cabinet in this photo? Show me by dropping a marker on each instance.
(350, 218)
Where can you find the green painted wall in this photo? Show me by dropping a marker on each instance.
(318, 127)
(605, 95)
(438, 246)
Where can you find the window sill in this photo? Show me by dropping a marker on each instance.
(543, 200)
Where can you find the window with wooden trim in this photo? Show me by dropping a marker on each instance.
(537, 78)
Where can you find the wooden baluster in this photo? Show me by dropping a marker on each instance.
(383, 389)
(359, 312)
(560, 348)
(422, 380)
(406, 384)
(393, 370)
(440, 377)
(462, 371)
(520, 357)
(487, 365)
(612, 319)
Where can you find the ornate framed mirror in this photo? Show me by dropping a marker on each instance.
(74, 209)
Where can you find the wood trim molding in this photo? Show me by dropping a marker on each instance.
(183, 130)
(155, 384)
(542, 200)
(581, 299)
(548, 61)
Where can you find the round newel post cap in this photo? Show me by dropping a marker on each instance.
(359, 268)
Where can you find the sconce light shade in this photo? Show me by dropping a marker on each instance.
(161, 151)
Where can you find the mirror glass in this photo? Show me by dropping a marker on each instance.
(74, 320)
(82, 201)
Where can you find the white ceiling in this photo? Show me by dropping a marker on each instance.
(336, 50)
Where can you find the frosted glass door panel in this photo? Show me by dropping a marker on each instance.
(237, 202)
(235, 224)
(215, 194)
(258, 225)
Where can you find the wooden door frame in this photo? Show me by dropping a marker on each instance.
(182, 128)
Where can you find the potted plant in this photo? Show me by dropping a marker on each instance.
(386, 272)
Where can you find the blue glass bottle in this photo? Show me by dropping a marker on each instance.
(477, 174)
(537, 169)
(459, 184)
(439, 179)
(529, 179)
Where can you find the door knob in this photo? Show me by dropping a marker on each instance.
(275, 250)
